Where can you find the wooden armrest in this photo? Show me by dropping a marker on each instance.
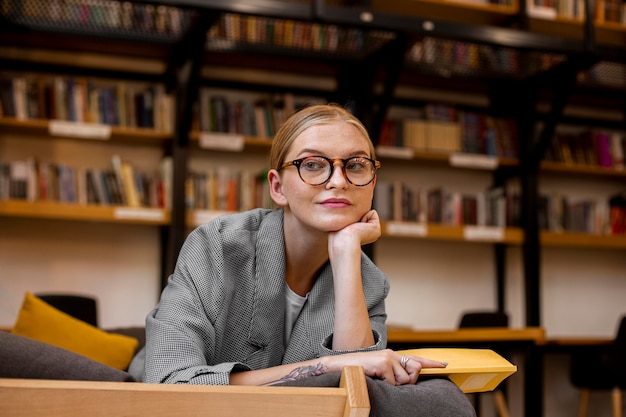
(29, 397)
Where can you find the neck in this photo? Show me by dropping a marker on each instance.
(305, 254)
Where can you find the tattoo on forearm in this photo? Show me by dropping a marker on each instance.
(301, 372)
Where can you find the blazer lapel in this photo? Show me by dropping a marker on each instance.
(266, 328)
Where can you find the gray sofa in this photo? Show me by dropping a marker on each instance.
(22, 357)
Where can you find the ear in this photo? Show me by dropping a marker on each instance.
(276, 188)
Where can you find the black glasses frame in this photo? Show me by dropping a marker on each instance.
(298, 162)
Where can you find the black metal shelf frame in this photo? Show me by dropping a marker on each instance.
(186, 51)
(383, 65)
(387, 63)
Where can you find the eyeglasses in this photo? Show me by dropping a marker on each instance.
(317, 170)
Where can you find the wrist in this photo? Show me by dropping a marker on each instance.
(344, 247)
(330, 364)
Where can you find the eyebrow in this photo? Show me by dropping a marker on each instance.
(318, 152)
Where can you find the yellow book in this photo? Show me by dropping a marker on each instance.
(472, 370)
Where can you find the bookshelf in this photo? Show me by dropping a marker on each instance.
(347, 35)
(55, 210)
(227, 43)
(568, 19)
(57, 52)
(520, 55)
(42, 127)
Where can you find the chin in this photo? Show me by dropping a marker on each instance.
(335, 224)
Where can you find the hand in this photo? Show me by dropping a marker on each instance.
(366, 230)
(386, 365)
(413, 365)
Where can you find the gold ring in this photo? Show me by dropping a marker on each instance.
(403, 361)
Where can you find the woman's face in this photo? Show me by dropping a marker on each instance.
(335, 204)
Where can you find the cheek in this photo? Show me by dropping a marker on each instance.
(295, 190)
(367, 196)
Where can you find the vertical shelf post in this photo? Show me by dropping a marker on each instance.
(184, 71)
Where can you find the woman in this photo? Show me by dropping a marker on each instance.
(284, 295)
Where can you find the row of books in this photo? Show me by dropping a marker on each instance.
(273, 32)
(498, 207)
(121, 184)
(468, 132)
(226, 189)
(603, 10)
(590, 148)
(398, 201)
(114, 103)
(100, 14)
(558, 213)
(259, 117)
(459, 56)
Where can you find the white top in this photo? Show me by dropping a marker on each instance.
(294, 304)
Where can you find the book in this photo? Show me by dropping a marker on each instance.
(472, 370)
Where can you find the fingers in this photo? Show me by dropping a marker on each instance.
(412, 366)
(370, 216)
(402, 370)
(428, 363)
(371, 232)
(394, 368)
(411, 370)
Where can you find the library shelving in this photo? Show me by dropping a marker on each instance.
(376, 57)
(328, 39)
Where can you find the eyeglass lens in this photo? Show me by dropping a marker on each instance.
(316, 170)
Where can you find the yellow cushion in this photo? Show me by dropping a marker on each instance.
(40, 321)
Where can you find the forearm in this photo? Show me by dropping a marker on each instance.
(352, 324)
(284, 373)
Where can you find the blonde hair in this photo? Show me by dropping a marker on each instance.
(311, 116)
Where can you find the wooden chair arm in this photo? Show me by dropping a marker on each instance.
(55, 398)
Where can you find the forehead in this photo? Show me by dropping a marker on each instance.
(333, 139)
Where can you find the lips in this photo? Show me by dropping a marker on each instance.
(335, 202)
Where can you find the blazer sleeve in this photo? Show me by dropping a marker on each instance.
(180, 334)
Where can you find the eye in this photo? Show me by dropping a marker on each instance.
(357, 164)
(314, 164)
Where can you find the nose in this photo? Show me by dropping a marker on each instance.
(337, 177)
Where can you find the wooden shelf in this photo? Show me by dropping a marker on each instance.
(583, 240)
(453, 10)
(546, 166)
(432, 231)
(84, 53)
(195, 218)
(556, 167)
(229, 142)
(65, 211)
(45, 128)
(608, 33)
(511, 235)
(459, 160)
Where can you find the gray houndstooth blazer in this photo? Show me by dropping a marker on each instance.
(223, 308)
